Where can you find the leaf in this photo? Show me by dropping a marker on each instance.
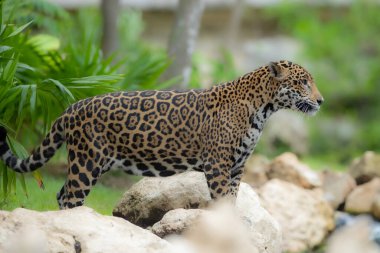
(5, 181)
(22, 102)
(26, 66)
(2, 29)
(10, 69)
(44, 43)
(5, 48)
(19, 30)
(23, 184)
(33, 99)
(24, 94)
(65, 91)
(1, 11)
(17, 148)
(9, 98)
(96, 79)
(168, 83)
(11, 181)
(38, 177)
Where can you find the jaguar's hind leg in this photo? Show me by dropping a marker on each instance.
(61, 197)
(235, 183)
(83, 174)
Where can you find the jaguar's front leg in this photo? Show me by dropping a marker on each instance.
(236, 176)
(218, 176)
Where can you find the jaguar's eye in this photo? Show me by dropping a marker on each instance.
(305, 82)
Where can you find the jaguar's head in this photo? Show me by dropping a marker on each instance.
(294, 88)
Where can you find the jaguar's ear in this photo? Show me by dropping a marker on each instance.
(276, 71)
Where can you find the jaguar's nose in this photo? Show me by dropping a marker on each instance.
(320, 101)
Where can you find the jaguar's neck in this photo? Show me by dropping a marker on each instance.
(252, 89)
(258, 118)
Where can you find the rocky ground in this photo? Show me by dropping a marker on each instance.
(282, 206)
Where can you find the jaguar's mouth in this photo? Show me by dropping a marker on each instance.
(307, 108)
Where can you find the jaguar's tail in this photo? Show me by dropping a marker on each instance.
(39, 156)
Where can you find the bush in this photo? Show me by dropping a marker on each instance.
(343, 47)
(42, 73)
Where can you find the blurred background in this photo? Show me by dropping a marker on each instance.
(58, 51)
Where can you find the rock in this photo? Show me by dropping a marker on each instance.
(375, 208)
(210, 234)
(361, 199)
(364, 168)
(146, 202)
(176, 221)
(343, 219)
(117, 180)
(336, 187)
(353, 239)
(255, 170)
(305, 217)
(76, 230)
(252, 225)
(264, 230)
(288, 168)
(375, 233)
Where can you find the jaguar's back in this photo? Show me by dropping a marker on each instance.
(148, 133)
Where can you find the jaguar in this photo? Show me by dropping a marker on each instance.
(162, 133)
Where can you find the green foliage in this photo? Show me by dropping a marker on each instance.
(143, 64)
(346, 66)
(42, 73)
(140, 64)
(195, 81)
(36, 71)
(343, 47)
(142, 72)
(45, 15)
(223, 69)
(29, 94)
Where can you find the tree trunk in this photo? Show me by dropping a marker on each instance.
(110, 11)
(234, 24)
(182, 40)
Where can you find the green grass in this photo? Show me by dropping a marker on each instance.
(101, 198)
(319, 163)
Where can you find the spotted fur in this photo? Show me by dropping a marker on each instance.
(161, 133)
